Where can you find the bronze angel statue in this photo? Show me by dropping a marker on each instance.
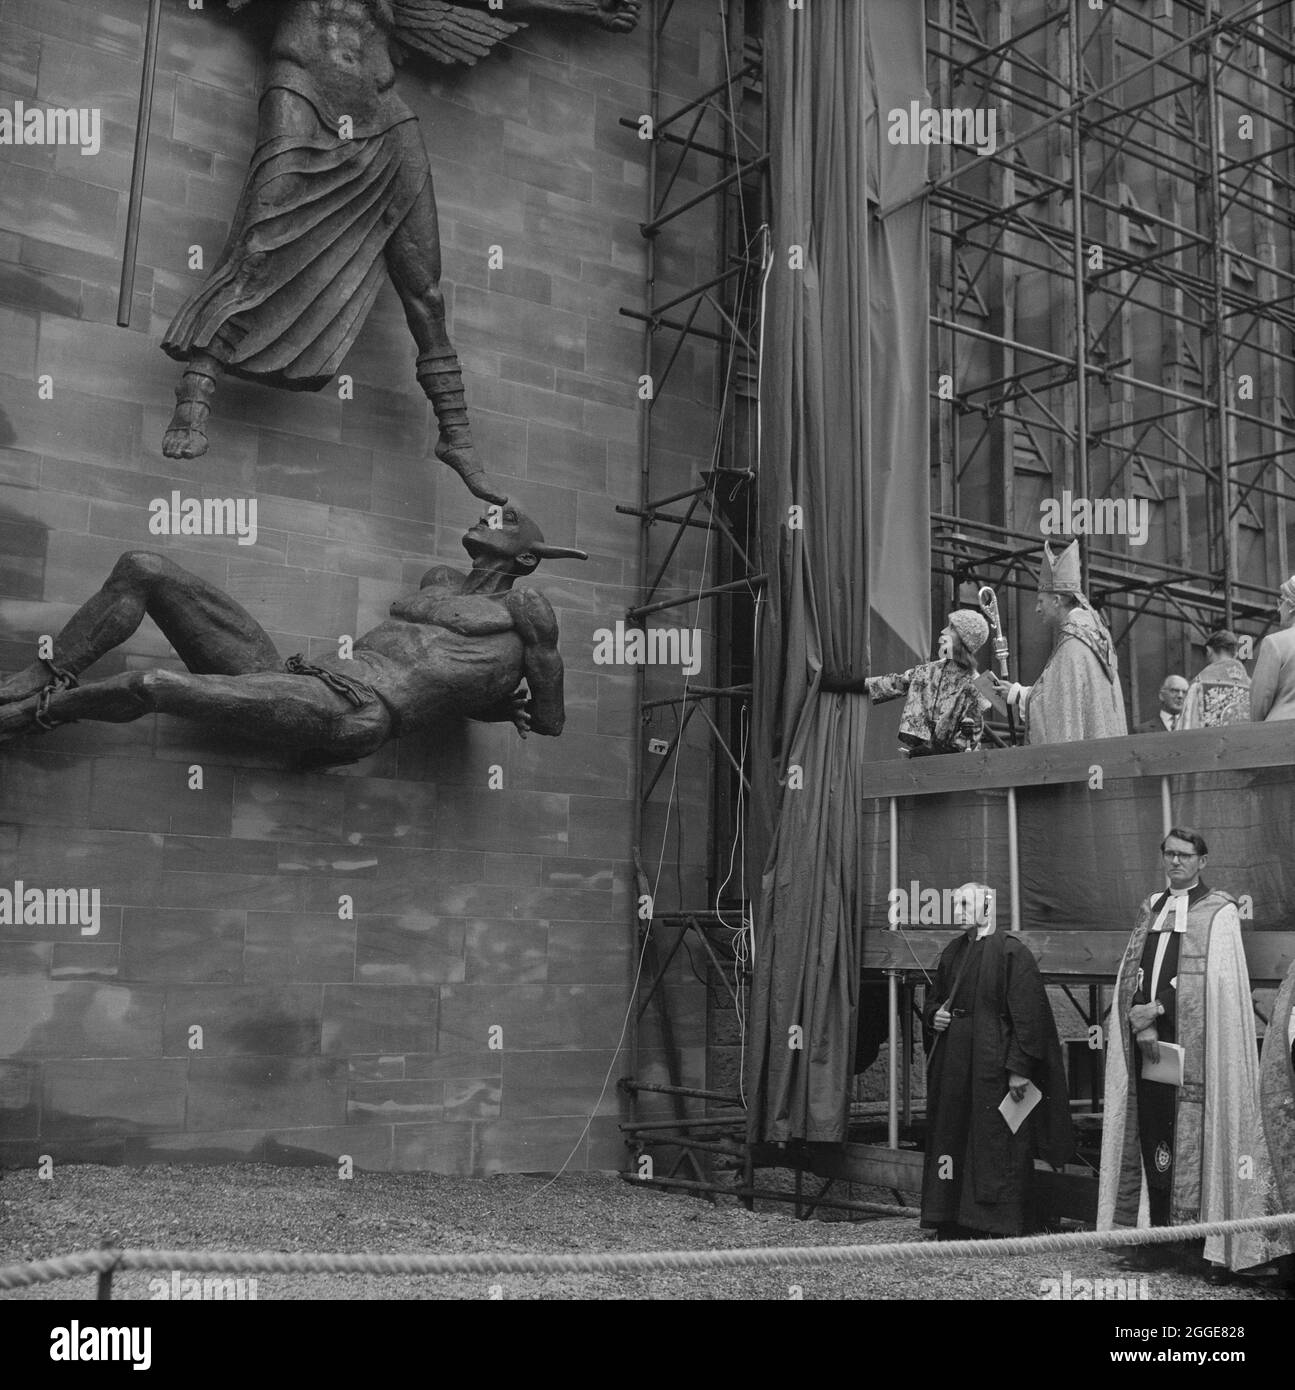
(339, 188)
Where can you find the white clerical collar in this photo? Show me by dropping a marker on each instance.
(1175, 901)
(986, 930)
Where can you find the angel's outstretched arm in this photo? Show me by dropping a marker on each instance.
(465, 30)
(618, 15)
(450, 33)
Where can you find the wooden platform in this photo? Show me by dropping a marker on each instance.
(1075, 955)
(1080, 957)
(1240, 747)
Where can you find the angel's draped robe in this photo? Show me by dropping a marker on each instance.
(304, 259)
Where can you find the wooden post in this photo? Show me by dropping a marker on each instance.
(1013, 861)
(892, 997)
(907, 1063)
(103, 1289)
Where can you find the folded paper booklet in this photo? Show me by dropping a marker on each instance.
(990, 691)
(1169, 1069)
(1015, 1111)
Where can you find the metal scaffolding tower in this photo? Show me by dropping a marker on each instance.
(707, 168)
(1113, 316)
(1114, 300)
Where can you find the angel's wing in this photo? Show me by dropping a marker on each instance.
(449, 33)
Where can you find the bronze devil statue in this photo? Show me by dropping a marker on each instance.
(461, 645)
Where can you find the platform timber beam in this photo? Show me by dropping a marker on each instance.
(1240, 747)
(898, 1169)
(1070, 954)
(1071, 1193)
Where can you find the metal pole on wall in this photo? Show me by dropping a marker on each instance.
(1217, 315)
(892, 995)
(639, 946)
(1077, 276)
(142, 122)
(1166, 808)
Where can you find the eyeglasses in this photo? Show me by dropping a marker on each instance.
(1179, 855)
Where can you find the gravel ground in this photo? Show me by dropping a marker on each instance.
(249, 1207)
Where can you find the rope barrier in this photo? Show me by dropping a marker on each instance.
(611, 1262)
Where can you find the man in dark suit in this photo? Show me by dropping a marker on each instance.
(1173, 691)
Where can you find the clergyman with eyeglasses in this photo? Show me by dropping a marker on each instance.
(1182, 1075)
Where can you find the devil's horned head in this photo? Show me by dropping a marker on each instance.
(515, 539)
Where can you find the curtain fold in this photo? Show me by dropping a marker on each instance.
(844, 506)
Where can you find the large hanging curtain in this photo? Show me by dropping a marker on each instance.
(845, 441)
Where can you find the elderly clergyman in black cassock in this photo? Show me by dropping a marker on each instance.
(994, 1037)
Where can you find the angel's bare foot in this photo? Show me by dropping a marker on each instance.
(186, 435)
(464, 463)
(620, 16)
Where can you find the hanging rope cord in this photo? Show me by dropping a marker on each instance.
(98, 1262)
